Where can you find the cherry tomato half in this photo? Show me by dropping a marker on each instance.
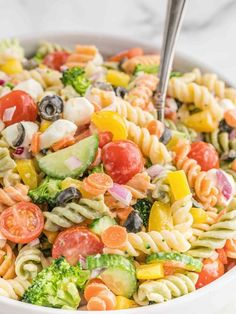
(17, 106)
(211, 271)
(205, 155)
(56, 59)
(75, 243)
(122, 160)
(133, 52)
(104, 138)
(22, 223)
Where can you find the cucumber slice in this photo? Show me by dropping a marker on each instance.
(185, 261)
(101, 224)
(56, 164)
(119, 275)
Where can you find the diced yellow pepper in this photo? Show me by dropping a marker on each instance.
(124, 303)
(201, 122)
(150, 271)
(11, 66)
(68, 182)
(110, 121)
(117, 78)
(44, 125)
(27, 172)
(160, 217)
(199, 215)
(179, 184)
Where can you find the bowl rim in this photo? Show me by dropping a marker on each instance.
(130, 42)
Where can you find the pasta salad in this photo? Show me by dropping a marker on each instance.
(102, 206)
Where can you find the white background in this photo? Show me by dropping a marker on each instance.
(209, 30)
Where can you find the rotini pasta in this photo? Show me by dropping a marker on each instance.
(11, 195)
(73, 213)
(180, 127)
(139, 185)
(129, 65)
(11, 178)
(13, 288)
(7, 262)
(149, 144)
(83, 55)
(221, 141)
(6, 162)
(165, 289)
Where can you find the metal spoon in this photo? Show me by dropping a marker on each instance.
(174, 18)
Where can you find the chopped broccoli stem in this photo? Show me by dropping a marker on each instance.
(57, 286)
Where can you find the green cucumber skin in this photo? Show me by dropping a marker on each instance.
(117, 265)
(49, 164)
(101, 224)
(191, 263)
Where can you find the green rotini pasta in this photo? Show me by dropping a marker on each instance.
(6, 162)
(180, 127)
(221, 141)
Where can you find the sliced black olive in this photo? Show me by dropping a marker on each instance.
(20, 136)
(68, 195)
(104, 86)
(229, 156)
(134, 222)
(51, 107)
(224, 127)
(121, 91)
(166, 136)
(44, 151)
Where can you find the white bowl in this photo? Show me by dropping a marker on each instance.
(216, 298)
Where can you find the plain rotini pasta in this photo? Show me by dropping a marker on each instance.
(11, 178)
(83, 55)
(13, 288)
(182, 218)
(73, 213)
(29, 262)
(129, 65)
(149, 144)
(215, 237)
(6, 162)
(165, 289)
(7, 262)
(132, 113)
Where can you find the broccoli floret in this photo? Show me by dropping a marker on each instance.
(143, 207)
(97, 169)
(57, 286)
(175, 74)
(77, 79)
(46, 192)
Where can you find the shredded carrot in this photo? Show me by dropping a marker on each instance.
(82, 135)
(114, 237)
(65, 142)
(35, 143)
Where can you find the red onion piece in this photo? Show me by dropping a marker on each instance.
(96, 272)
(224, 184)
(73, 163)
(34, 242)
(121, 194)
(21, 153)
(155, 171)
(2, 82)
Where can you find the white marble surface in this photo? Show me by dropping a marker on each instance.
(208, 31)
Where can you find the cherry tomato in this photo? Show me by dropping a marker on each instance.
(76, 243)
(56, 59)
(104, 138)
(211, 271)
(133, 52)
(22, 223)
(205, 155)
(122, 160)
(17, 106)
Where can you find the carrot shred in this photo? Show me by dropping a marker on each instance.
(65, 142)
(35, 143)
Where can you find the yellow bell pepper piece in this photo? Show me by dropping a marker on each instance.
(112, 122)
(124, 303)
(199, 215)
(11, 66)
(44, 125)
(160, 217)
(201, 122)
(151, 271)
(117, 78)
(69, 182)
(27, 172)
(179, 184)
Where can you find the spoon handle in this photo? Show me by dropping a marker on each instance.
(174, 18)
